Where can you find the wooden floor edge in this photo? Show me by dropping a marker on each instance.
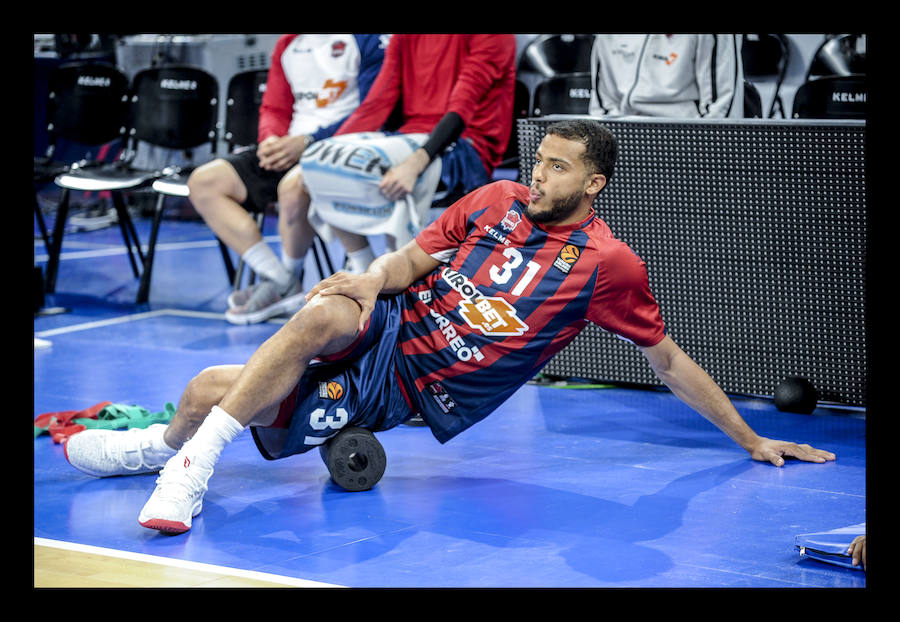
(59, 564)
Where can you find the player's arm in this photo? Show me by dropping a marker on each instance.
(695, 388)
(400, 180)
(388, 274)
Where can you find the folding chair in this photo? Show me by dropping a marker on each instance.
(555, 54)
(521, 110)
(88, 105)
(243, 97)
(833, 97)
(766, 56)
(752, 101)
(174, 107)
(838, 55)
(563, 94)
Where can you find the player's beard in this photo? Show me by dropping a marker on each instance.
(562, 208)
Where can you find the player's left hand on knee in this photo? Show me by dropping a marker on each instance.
(362, 288)
(769, 450)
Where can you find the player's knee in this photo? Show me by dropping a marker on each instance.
(208, 181)
(205, 390)
(291, 185)
(326, 322)
(202, 179)
(293, 198)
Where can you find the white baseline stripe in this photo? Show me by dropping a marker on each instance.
(120, 250)
(180, 563)
(127, 318)
(108, 322)
(139, 316)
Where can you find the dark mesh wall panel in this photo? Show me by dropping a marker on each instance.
(754, 235)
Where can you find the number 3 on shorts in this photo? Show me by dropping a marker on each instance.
(320, 419)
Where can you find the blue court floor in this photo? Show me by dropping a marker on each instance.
(560, 488)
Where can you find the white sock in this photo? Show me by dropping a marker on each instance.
(156, 437)
(294, 265)
(214, 434)
(361, 259)
(263, 261)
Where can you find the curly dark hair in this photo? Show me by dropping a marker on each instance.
(601, 147)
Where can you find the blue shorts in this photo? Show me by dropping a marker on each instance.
(357, 387)
(461, 172)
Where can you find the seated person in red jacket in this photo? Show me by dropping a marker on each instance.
(314, 83)
(455, 93)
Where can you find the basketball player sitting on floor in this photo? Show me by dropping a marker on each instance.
(448, 326)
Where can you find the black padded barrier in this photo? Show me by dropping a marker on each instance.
(754, 235)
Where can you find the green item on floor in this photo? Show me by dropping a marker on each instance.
(122, 416)
(105, 416)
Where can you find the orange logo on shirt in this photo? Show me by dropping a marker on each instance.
(570, 253)
(335, 391)
(567, 258)
(330, 92)
(492, 316)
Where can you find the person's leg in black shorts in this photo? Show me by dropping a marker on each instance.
(225, 192)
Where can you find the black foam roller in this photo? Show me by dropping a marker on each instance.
(355, 459)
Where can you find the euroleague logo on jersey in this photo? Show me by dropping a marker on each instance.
(330, 390)
(567, 258)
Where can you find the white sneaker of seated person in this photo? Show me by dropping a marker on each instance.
(265, 300)
(239, 297)
(107, 453)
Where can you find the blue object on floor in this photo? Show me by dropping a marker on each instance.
(830, 546)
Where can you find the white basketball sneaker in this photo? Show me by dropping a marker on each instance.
(105, 453)
(178, 496)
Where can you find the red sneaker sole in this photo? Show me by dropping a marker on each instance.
(165, 526)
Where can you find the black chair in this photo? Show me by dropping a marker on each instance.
(243, 98)
(554, 54)
(521, 110)
(832, 97)
(838, 55)
(174, 107)
(245, 93)
(766, 56)
(752, 102)
(563, 94)
(549, 56)
(87, 104)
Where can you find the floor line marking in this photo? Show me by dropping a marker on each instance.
(209, 315)
(121, 250)
(180, 563)
(100, 323)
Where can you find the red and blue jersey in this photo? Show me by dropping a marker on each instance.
(508, 296)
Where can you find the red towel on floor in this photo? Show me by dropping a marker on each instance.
(59, 424)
